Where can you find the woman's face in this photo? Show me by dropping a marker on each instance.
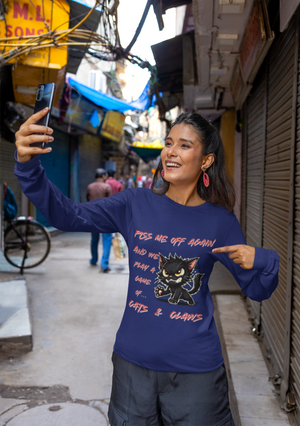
(182, 157)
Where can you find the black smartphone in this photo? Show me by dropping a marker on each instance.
(44, 98)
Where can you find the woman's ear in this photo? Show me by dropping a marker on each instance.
(207, 161)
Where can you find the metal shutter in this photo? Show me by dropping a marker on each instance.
(57, 166)
(89, 161)
(276, 186)
(244, 168)
(255, 173)
(295, 317)
(7, 163)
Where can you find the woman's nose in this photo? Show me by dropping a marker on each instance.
(172, 151)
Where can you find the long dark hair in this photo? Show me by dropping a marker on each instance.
(220, 190)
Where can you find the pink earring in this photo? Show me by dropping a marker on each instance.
(162, 174)
(205, 179)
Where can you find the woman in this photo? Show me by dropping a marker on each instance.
(168, 365)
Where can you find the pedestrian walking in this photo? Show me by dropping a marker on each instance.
(168, 364)
(116, 186)
(96, 190)
(147, 182)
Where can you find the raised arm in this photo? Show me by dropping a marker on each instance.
(104, 215)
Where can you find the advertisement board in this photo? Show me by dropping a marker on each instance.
(256, 43)
(26, 22)
(113, 124)
(254, 40)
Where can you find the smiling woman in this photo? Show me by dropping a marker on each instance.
(193, 163)
(168, 364)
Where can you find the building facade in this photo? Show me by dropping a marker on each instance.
(270, 202)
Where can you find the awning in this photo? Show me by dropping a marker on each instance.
(147, 151)
(110, 102)
(169, 63)
(168, 4)
(78, 9)
(146, 154)
(172, 66)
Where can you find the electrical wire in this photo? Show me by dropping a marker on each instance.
(38, 12)
(50, 39)
(105, 47)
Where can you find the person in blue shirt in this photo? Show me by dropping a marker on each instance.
(168, 364)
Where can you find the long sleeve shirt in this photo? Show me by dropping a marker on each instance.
(168, 322)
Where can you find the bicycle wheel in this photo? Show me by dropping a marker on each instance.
(27, 238)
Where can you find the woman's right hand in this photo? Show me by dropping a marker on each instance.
(27, 134)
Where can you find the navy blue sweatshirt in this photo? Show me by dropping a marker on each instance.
(168, 322)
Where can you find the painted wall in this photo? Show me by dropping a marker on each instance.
(227, 132)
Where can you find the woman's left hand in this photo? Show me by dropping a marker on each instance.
(241, 254)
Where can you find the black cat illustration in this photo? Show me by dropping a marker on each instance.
(174, 273)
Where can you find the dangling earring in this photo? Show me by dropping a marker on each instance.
(205, 179)
(162, 174)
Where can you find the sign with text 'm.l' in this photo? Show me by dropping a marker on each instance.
(26, 20)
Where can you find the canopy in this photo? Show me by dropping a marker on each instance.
(147, 151)
(109, 102)
(146, 154)
(79, 8)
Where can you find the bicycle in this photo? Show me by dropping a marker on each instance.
(27, 243)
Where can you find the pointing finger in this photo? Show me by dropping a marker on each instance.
(226, 249)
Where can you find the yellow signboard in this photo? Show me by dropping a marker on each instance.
(113, 124)
(26, 19)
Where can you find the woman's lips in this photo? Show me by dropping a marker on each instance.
(172, 165)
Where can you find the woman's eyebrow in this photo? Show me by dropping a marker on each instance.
(186, 140)
(181, 139)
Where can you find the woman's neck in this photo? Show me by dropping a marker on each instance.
(187, 196)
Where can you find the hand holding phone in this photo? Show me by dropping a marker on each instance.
(30, 133)
(44, 98)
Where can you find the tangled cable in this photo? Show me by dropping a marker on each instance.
(105, 47)
(65, 38)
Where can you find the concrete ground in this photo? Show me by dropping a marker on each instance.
(75, 312)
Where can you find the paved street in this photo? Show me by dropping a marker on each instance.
(75, 313)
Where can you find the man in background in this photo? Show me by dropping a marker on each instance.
(115, 185)
(100, 189)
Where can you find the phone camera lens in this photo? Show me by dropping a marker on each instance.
(39, 94)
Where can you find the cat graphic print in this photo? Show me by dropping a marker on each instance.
(175, 273)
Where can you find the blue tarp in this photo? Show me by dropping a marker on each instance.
(143, 102)
(112, 103)
(86, 4)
